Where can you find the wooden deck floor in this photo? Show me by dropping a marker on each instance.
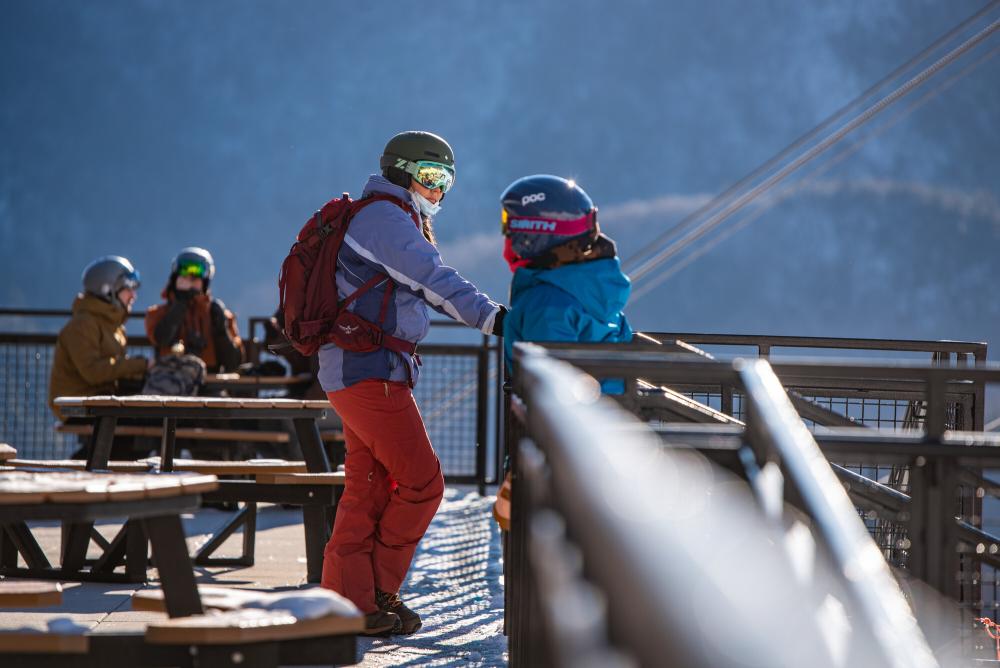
(454, 583)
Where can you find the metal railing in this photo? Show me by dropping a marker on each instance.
(457, 395)
(624, 553)
(914, 525)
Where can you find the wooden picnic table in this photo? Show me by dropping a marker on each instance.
(106, 410)
(225, 381)
(152, 504)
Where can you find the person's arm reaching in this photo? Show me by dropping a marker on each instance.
(395, 245)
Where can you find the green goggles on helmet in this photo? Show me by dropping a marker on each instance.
(431, 175)
(192, 269)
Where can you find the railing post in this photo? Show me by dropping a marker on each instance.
(501, 406)
(934, 542)
(482, 408)
(934, 422)
(726, 400)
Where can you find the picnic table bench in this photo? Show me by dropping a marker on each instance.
(299, 627)
(199, 433)
(318, 500)
(29, 593)
(152, 504)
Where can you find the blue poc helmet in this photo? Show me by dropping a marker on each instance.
(542, 212)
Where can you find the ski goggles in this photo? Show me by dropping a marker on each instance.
(129, 281)
(431, 175)
(510, 224)
(192, 269)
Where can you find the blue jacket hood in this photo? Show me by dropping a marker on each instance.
(600, 286)
(575, 302)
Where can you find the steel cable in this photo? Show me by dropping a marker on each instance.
(702, 228)
(840, 113)
(790, 190)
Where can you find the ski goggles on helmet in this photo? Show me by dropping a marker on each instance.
(192, 269)
(431, 175)
(129, 281)
(533, 225)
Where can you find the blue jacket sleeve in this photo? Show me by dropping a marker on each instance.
(385, 236)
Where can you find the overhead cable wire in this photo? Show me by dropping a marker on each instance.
(840, 113)
(795, 188)
(671, 249)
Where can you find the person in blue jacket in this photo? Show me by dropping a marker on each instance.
(568, 283)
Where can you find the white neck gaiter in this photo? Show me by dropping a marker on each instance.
(427, 207)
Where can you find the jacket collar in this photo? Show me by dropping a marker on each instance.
(85, 303)
(380, 184)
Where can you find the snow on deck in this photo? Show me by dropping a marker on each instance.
(455, 585)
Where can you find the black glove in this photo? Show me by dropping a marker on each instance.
(217, 312)
(498, 321)
(194, 343)
(185, 295)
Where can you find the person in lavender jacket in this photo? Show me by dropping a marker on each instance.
(393, 477)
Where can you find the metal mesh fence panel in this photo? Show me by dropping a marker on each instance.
(446, 396)
(980, 587)
(27, 423)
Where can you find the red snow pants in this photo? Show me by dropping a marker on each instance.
(393, 488)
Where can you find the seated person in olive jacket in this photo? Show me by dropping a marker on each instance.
(192, 317)
(90, 354)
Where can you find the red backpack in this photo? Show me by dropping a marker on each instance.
(313, 315)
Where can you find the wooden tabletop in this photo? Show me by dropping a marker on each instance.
(7, 452)
(159, 401)
(82, 487)
(236, 380)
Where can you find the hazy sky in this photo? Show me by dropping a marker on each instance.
(141, 127)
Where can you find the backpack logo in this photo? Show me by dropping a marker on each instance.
(528, 199)
(349, 329)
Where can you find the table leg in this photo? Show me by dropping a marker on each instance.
(8, 551)
(104, 436)
(136, 551)
(312, 445)
(167, 443)
(76, 536)
(314, 518)
(317, 530)
(18, 539)
(180, 592)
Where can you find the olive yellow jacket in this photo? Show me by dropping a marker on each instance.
(90, 352)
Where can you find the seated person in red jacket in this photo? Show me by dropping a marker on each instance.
(192, 317)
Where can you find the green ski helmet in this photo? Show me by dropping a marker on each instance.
(421, 155)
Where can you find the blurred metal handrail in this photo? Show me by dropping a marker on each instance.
(776, 429)
(932, 382)
(602, 465)
(765, 343)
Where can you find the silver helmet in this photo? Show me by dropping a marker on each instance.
(195, 262)
(106, 276)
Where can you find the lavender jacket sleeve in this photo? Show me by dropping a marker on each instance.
(385, 236)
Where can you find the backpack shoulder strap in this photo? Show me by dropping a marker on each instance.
(356, 206)
(384, 197)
